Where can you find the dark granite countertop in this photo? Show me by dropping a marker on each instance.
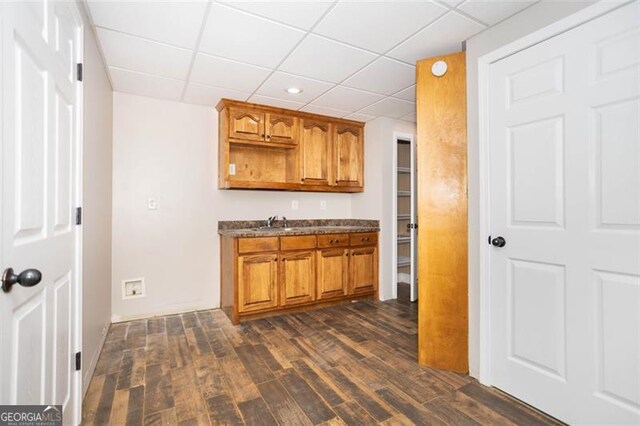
(246, 228)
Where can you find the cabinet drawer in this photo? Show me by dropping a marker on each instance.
(298, 242)
(333, 240)
(364, 239)
(250, 245)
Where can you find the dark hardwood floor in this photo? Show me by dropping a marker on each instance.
(350, 364)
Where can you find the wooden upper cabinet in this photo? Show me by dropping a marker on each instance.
(316, 152)
(281, 128)
(262, 147)
(348, 155)
(246, 124)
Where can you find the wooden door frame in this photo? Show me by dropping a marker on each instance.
(484, 97)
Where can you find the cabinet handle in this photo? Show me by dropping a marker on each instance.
(268, 136)
(330, 241)
(337, 241)
(262, 136)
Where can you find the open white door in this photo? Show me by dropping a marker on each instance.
(41, 99)
(564, 120)
(414, 221)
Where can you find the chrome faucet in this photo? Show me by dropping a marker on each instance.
(271, 220)
(284, 222)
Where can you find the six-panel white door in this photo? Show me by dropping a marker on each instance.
(565, 195)
(40, 162)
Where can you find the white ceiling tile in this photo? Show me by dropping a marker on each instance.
(390, 107)
(324, 59)
(206, 95)
(492, 12)
(220, 72)
(300, 14)
(347, 99)
(317, 109)
(410, 117)
(176, 23)
(377, 25)
(138, 54)
(280, 103)
(408, 94)
(360, 117)
(145, 84)
(277, 84)
(384, 76)
(451, 3)
(444, 36)
(237, 35)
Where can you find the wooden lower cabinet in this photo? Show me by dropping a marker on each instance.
(257, 282)
(265, 276)
(363, 270)
(297, 278)
(333, 273)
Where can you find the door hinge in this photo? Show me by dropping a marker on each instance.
(79, 72)
(412, 226)
(78, 215)
(489, 240)
(78, 361)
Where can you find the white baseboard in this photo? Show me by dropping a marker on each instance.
(125, 318)
(88, 369)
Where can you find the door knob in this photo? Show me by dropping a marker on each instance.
(27, 278)
(499, 242)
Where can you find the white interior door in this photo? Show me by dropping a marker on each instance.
(414, 220)
(565, 196)
(40, 163)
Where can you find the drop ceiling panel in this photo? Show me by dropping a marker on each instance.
(360, 117)
(218, 72)
(205, 95)
(389, 107)
(176, 23)
(408, 94)
(493, 12)
(138, 54)
(145, 84)
(377, 25)
(410, 117)
(443, 36)
(280, 103)
(384, 76)
(324, 59)
(346, 99)
(277, 84)
(317, 109)
(237, 35)
(303, 14)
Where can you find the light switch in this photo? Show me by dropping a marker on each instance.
(232, 169)
(294, 205)
(323, 205)
(152, 203)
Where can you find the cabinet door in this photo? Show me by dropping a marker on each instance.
(281, 128)
(246, 124)
(363, 270)
(297, 278)
(333, 273)
(257, 282)
(348, 148)
(316, 152)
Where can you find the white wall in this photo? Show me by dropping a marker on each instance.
(96, 227)
(376, 202)
(168, 150)
(526, 22)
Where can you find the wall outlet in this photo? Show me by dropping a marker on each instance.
(294, 205)
(133, 288)
(323, 205)
(152, 203)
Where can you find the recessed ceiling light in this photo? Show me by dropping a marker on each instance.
(294, 90)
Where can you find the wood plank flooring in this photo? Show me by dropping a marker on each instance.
(351, 364)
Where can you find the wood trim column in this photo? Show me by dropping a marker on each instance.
(442, 213)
